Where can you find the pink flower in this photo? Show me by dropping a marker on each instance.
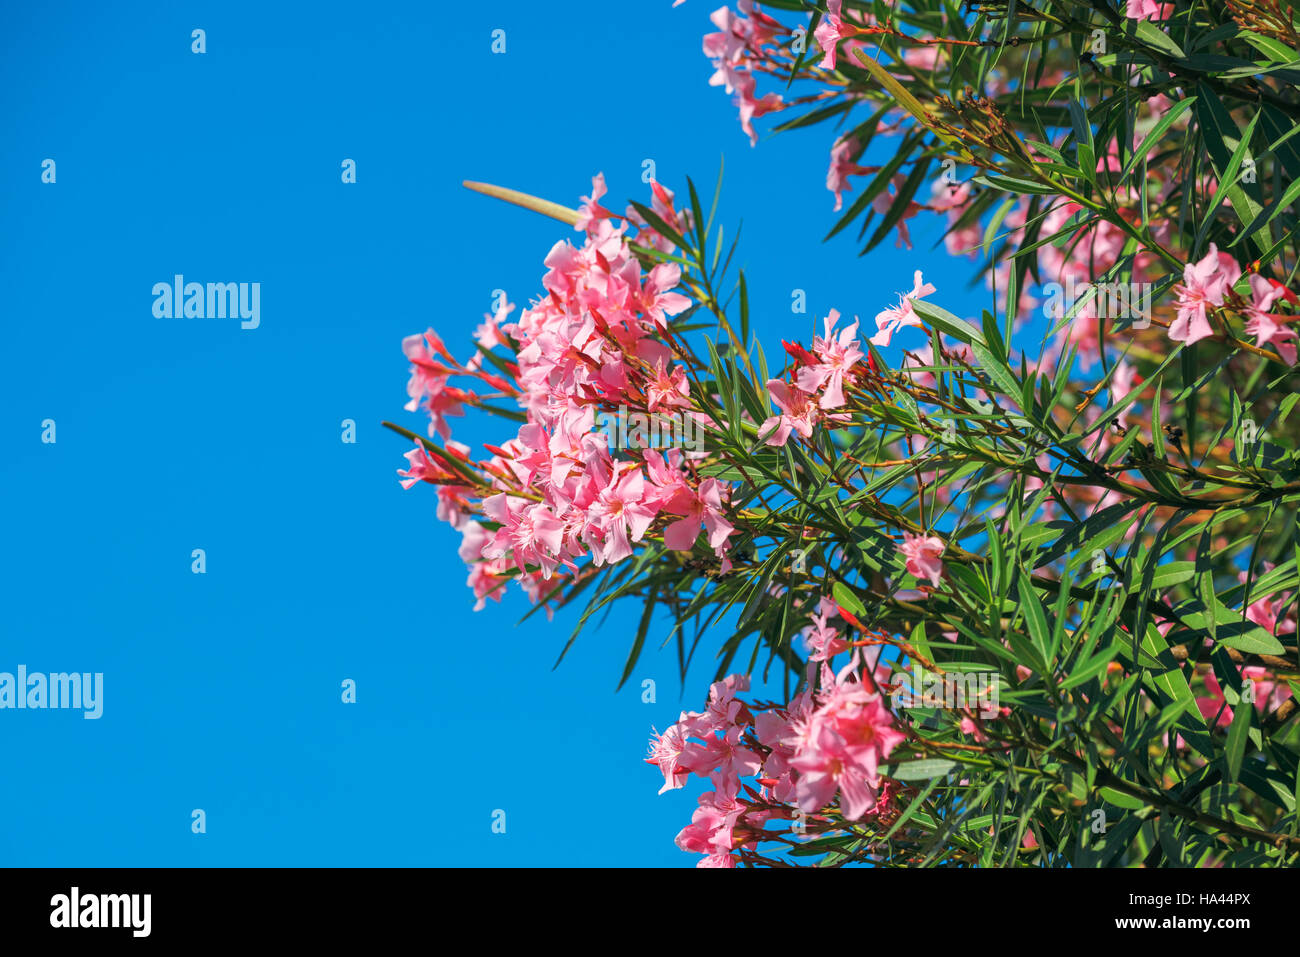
(829, 33)
(824, 641)
(752, 108)
(1152, 9)
(488, 334)
(968, 726)
(1204, 284)
(799, 413)
(1123, 381)
(421, 469)
(1265, 327)
(530, 533)
(842, 167)
(591, 211)
(428, 382)
(924, 57)
(666, 754)
(726, 755)
(453, 504)
(655, 297)
(890, 320)
(923, 553)
(426, 373)
(726, 48)
(705, 506)
(621, 516)
(1264, 611)
(725, 709)
(837, 356)
(1268, 694)
(884, 201)
(847, 738)
(711, 829)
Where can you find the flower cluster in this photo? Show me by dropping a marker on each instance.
(735, 49)
(598, 339)
(1088, 247)
(824, 748)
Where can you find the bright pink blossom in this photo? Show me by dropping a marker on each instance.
(1265, 326)
(703, 507)
(842, 167)
(1205, 283)
(890, 320)
(836, 354)
(848, 737)
(923, 553)
(829, 33)
(799, 412)
(1148, 10)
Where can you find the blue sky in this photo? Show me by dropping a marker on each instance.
(222, 690)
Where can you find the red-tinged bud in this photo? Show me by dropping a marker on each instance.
(799, 352)
(850, 617)
(497, 382)
(871, 363)
(437, 345)
(579, 356)
(1287, 294)
(496, 471)
(435, 367)
(496, 450)
(604, 263)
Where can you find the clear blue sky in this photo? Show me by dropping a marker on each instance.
(222, 691)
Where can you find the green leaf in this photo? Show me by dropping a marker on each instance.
(945, 321)
(847, 600)
(635, 653)
(1271, 47)
(1035, 621)
(1154, 37)
(1120, 799)
(1227, 148)
(1086, 152)
(658, 225)
(1167, 675)
(1087, 670)
(1235, 749)
(1170, 117)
